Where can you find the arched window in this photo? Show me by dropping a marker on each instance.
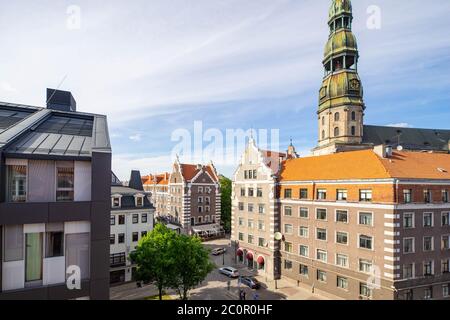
(336, 132)
(336, 116)
(353, 130)
(323, 134)
(353, 116)
(323, 121)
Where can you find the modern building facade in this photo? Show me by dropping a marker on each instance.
(132, 217)
(55, 171)
(189, 198)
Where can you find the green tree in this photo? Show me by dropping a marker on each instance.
(192, 264)
(225, 202)
(155, 259)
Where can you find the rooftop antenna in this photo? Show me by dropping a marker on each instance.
(57, 88)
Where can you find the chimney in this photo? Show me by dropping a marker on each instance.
(61, 100)
(383, 151)
(199, 167)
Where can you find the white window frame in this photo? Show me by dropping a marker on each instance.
(413, 220)
(336, 260)
(300, 228)
(413, 245)
(432, 244)
(322, 252)
(326, 232)
(373, 242)
(341, 244)
(448, 219)
(335, 216)
(432, 219)
(300, 209)
(366, 225)
(300, 252)
(326, 212)
(292, 227)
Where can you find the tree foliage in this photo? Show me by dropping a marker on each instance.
(154, 258)
(225, 186)
(170, 260)
(192, 264)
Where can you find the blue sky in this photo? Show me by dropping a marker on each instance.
(157, 66)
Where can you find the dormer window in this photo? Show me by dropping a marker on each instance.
(139, 201)
(116, 202)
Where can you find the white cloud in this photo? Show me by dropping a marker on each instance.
(136, 137)
(5, 86)
(400, 125)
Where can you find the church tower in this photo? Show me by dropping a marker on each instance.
(341, 105)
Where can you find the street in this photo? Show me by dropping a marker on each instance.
(215, 286)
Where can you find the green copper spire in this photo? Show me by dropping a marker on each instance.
(341, 105)
(341, 80)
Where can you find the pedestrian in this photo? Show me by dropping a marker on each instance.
(229, 285)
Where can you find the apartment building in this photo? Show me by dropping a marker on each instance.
(158, 186)
(55, 171)
(367, 224)
(254, 210)
(131, 219)
(189, 199)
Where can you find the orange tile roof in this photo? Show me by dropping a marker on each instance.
(160, 179)
(366, 164)
(190, 171)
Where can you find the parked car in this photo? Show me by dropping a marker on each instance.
(218, 251)
(229, 272)
(250, 282)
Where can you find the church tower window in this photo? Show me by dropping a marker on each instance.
(336, 132)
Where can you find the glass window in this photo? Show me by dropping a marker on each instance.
(121, 219)
(427, 196)
(321, 234)
(304, 213)
(428, 219)
(407, 196)
(251, 192)
(336, 132)
(250, 239)
(408, 245)
(342, 283)
(365, 265)
(113, 220)
(121, 238)
(445, 267)
(250, 207)
(341, 216)
(365, 242)
(365, 195)
(288, 211)
(288, 229)
(408, 271)
(77, 252)
(445, 243)
(135, 236)
(139, 201)
(54, 241)
(428, 293)
(321, 276)
(445, 219)
(408, 220)
(342, 260)
(365, 291)
(259, 192)
(261, 209)
(445, 290)
(287, 193)
(241, 206)
(321, 194)
(288, 247)
(261, 242)
(65, 183)
(445, 197)
(428, 268)
(13, 242)
(112, 239)
(365, 218)
(144, 218)
(143, 234)
(116, 202)
(242, 192)
(322, 255)
(135, 218)
(341, 195)
(250, 223)
(261, 225)
(303, 232)
(303, 193)
(17, 183)
(321, 214)
(304, 251)
(303, 270)
(241, 236)
(287, 265)
(342, 237)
